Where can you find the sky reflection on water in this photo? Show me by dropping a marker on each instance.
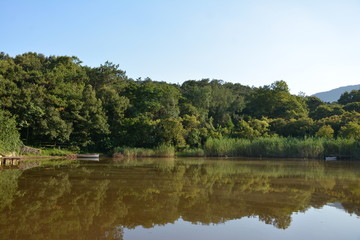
(315, 223)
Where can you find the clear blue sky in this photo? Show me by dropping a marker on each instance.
(314, 45)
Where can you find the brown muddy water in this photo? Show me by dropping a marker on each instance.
(180, 199)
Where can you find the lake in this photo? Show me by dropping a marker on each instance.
(191, 198)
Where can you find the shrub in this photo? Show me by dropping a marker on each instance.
(9, 135)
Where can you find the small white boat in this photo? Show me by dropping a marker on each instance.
(88, 155)
(330, 158)
(88, 159)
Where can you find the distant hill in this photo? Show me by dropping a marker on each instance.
(334, 95)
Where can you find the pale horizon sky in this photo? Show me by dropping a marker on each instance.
(312, 45)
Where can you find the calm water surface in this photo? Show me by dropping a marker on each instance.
(180, 199)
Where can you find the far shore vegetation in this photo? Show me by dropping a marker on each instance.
(56, 104)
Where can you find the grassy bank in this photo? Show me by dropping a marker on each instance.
(275, 147)
(283, 147)
(32, 152)
(55, 152)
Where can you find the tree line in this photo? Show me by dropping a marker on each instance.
(55, 100)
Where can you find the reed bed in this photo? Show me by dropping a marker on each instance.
(160, 151)
(191, 152)
(282, 147)
(273, 147)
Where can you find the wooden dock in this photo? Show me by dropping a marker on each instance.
(9, 160)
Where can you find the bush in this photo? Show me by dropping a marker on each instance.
(9, 136)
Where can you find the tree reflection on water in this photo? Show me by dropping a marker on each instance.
(81, 200)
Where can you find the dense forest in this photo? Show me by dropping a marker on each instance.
(57, 101)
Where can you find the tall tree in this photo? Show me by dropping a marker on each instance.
(349, 97)
(9, 135)
(275, 101)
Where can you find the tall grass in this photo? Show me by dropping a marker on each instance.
(160, 151)
(224, 147)
(191, 152)
(282, 147)
(134, 152)
(164, 151)
(310, 148)
(342, 147)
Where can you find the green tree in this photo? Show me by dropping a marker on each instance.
(225, 103)
(171, 132)
(192, 131)
(90, 122)
(107, 74)
(252, 129)
(9, 135)
(109, 83)
(139, 131)
(198, 94)
(42, 88)
(353, 106)
(350, 130)
(275, 101)
(325, 131)
(312, 103)
(349, 97)
(326, 110)
(160, 100)
(300, 127)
